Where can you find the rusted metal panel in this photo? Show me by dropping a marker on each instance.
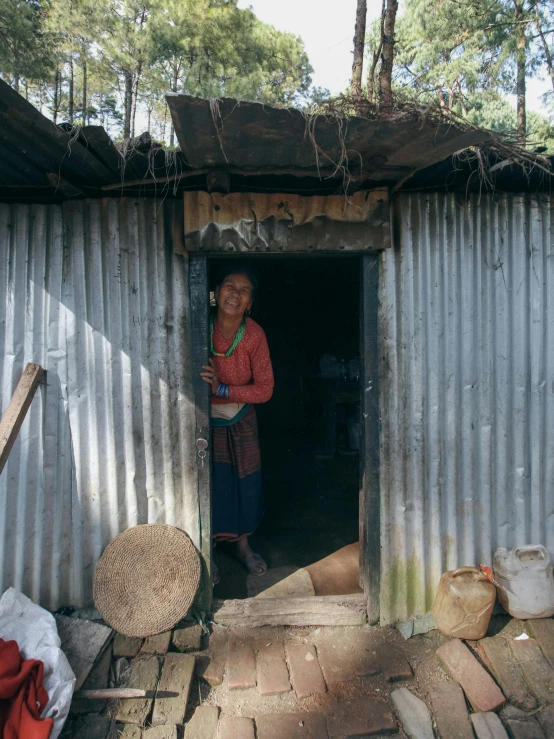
(466, 388)
(250, 222)
(97, 294)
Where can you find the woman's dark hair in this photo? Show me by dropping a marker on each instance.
(239, 270)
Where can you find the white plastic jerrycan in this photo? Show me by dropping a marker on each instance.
(525, 574)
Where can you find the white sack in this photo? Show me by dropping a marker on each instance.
(36, 634)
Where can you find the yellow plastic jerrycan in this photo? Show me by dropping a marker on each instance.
(463, 604)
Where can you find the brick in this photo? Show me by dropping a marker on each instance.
(361, 717)
(546, 721)
(488, 726)
(235, 727)
(241, 666)
(536, 670)
(158, 644)
(481, 690)
(161, 732)
(542, 630)
(212, 666)
(272, 672)
(203, 725)
(394, 665)
(291, 726)
(188, 638)
(145, 671)
(347, 653)
(305, 671)
(177, 674)
(449, 710)
(527, 729)
(497, 656)
(126, 646)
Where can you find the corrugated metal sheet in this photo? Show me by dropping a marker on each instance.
(467, 389)
(96, 294)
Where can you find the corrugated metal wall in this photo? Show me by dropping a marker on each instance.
(467, 388)
(96, 294)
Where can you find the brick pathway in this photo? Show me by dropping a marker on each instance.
(323, 683)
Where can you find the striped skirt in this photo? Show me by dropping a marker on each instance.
(237, 502)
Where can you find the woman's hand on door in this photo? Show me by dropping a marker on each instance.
(210, 375)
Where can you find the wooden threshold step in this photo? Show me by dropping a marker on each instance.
(319, 610)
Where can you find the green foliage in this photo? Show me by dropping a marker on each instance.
(24, 42)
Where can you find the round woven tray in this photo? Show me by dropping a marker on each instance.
(147, 579)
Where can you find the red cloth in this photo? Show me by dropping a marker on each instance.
(22, 696)
(248, 370)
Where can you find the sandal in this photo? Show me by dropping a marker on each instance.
(253, 562)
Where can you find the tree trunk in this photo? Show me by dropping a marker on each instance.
(84, 92)
(359, 42)
(135, 99)
(128, 105)
(71, 90)
(387, 55)
(56, 95)
(520, 74)
(547, 52)
(375, 60)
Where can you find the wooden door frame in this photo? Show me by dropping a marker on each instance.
(345, 609)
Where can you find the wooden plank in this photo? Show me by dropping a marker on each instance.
(323, 610)
(17, 410)
(199, 308)
(370, 504)
(81, 642)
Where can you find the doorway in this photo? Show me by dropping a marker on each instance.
(311, 431)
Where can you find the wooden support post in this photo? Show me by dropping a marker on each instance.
(17, 409)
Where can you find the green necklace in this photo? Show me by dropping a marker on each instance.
(236, 341)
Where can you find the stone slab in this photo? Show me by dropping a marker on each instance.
(188, 638)
(488, 726)
(203, 725)
(158, 644)
(81, 642)
(546, 721)
(91, 726)
(528, 729)
(291, 726)
(241, 665)
(394, 665)
(128, 731)
(497, 656)
(236, 727)
(305, 671)
(413, 714)
(161, 732)
(97, 678)
(536, 670)
(145, 671)
(449, 710)
(177, 674)
(347, 653)
(126, 646)
(481, 690)
(360, 717)
(542, 630)
(272, 672)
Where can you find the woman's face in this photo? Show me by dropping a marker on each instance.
(234, 295)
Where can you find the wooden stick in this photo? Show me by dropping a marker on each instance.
(121, 693)
(17, 409)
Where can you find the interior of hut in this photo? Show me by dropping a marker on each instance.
(309, 430)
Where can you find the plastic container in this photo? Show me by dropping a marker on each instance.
(528, 584)
(463, 604)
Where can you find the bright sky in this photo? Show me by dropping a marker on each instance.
(327, 29)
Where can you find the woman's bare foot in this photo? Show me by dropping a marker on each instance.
(252, 561)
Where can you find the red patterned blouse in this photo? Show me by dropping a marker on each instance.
(248, 370)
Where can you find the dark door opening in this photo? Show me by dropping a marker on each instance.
(309, 431)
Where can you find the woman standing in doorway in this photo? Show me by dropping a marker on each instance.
(240, 375)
